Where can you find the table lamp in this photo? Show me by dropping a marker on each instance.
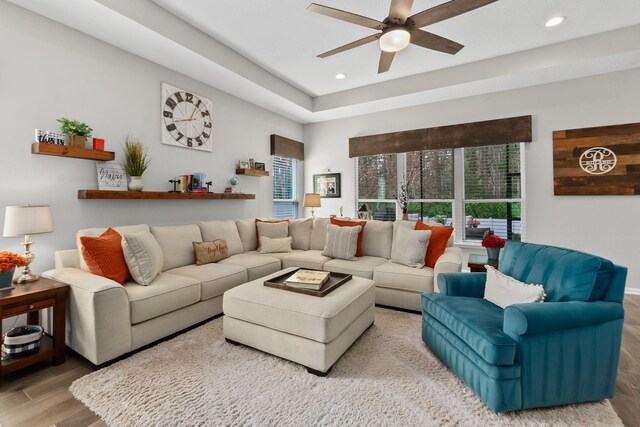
(311, 200)
(27, 220)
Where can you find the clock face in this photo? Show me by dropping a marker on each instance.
(186, 119)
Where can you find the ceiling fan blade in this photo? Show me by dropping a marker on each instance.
(386, 58)
(435, 42)
(347, 16)
(445, 11)
(351, 45)
(399, 11)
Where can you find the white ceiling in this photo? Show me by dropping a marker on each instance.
(264, 51)
(284, 38)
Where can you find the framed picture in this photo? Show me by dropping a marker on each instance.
(259, 166)
(327, 185)
(243, 165)
(111, 176)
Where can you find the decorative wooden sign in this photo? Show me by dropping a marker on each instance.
(597, 161)
(111, 176)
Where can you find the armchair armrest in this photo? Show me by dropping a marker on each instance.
(539, 318)
(462, 284)
(449, 262)
(98, 315)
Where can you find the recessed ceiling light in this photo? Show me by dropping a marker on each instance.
(340, 76)
(556, 20)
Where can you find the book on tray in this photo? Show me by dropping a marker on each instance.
(308, 279)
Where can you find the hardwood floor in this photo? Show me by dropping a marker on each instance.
(39, 395)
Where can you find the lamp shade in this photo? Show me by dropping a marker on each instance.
(311, 200)
(28, 219)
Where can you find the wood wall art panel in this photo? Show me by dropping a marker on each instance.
(597, 161)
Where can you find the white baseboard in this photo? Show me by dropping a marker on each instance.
(632, 291)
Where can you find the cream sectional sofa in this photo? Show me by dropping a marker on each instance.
(106, 320)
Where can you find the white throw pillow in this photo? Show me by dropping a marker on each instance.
(300, 231)
(269, 245)
(503, 290)
(273, 230)
(410, 247)
(143, 256)
(341, 242)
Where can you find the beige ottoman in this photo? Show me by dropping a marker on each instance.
(305, 329)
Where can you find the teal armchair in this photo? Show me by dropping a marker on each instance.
(564, 350)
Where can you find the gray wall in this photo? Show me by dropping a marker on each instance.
(604, 225)
(48, 70)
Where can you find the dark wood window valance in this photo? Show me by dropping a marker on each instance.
(489, 132)
(285, 147)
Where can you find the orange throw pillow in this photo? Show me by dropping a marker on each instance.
(343, 223)
(104, 256)
(272, 221)
(437, 242)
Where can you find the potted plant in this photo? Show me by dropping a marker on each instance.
(77, 131)
(493, 244)
(135, 163)
(403, 199)
(8, 263)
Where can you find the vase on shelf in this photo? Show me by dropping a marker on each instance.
(6, 278)
(135, 183)
(493, 253)
(405, 217)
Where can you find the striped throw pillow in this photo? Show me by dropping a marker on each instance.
(410, 247)
(341, 242)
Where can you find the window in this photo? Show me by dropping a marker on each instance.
(492, 191)
(285, 201)
(429, 176)
(487, 194)
(377, 183)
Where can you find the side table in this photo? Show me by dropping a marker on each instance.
(477, 262)
(29, 299)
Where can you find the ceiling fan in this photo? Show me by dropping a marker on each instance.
(399, 29)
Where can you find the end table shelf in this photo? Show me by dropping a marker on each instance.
(73, 152)
(159, 195)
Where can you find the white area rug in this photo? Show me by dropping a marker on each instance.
(387, 378)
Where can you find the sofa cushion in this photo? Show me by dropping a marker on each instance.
(477, 322)
(275, 246)
(247, 232)
(396, 276)
(176, 242)
(257, 265)
(361, 267)
(95, 232)
(227, 230)
(342, 242)
(377, 239)
(167, 293)
(566, 275)
(275, 229)
(104, 256)
(300, 231)
(215, 279)
(306, 259)
(410, 247)
(349, 223)
(143, 255)
(437, 243)
(319, 233)
(318, 319)
(207, 252)
(412, 225)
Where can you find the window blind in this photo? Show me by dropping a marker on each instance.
(285, 203)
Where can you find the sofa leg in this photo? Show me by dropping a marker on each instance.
(232, 341)
(319, 373)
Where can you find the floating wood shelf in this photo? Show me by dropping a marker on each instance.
(251, 172)
(74, 152)
(160, 195)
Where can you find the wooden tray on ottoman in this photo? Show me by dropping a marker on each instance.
(335, 281)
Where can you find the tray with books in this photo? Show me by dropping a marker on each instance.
(307, 281)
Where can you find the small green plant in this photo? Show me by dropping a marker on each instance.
(73, 127)
(341, 211)
(136, 160)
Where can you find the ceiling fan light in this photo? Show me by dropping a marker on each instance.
(395, 40)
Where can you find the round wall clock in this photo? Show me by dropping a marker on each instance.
(186, 119)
